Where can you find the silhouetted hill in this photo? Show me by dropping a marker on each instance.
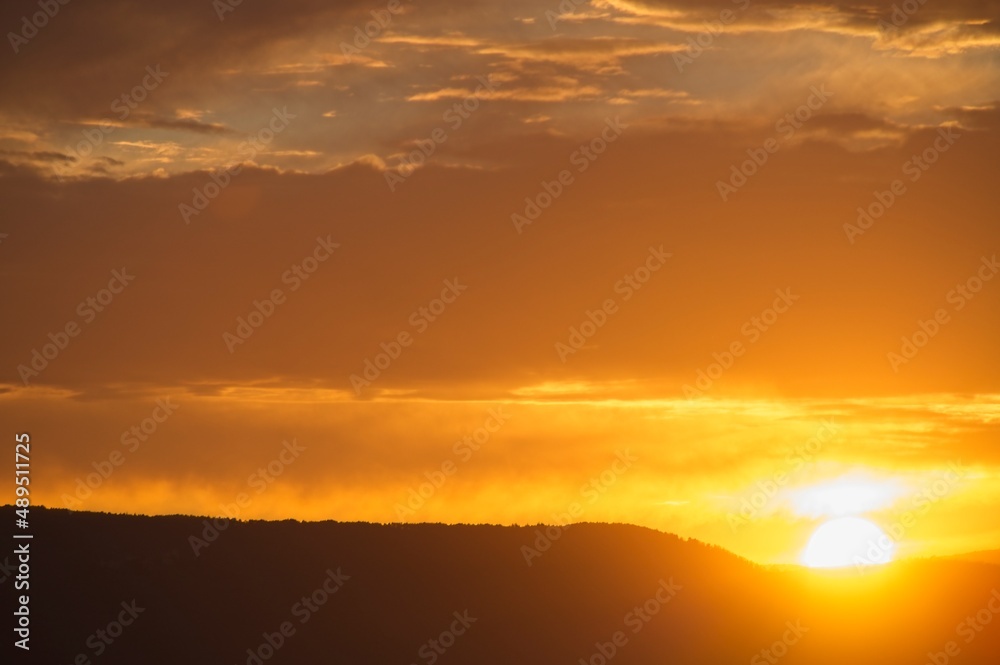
(984, 556)
(401, 586)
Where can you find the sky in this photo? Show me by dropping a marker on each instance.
(645, 262)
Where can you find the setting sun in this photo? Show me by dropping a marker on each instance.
(848, 541)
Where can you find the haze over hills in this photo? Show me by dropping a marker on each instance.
(985, 556)
(426, 593)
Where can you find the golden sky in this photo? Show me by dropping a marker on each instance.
(696, 234)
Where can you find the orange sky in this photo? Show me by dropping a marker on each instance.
(624, 227)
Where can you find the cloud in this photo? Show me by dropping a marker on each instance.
(354, 465)
(224, 77)
(185, 124)
(169, 328)
(39, 156)
(979, 117)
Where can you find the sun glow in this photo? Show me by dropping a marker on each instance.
(848, 495)
(848, 541)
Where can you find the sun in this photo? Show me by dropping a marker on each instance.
(848, 541)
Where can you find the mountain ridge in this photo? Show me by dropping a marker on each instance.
(388, 591)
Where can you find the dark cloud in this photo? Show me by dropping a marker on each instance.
(186, 124)
(109, 44)
(785, 229)
(915, 12)
(42, 156)
(982, 117)
(850, 123)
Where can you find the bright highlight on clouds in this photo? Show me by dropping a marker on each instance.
(364, 459)
(849, 495)
(892, 66)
